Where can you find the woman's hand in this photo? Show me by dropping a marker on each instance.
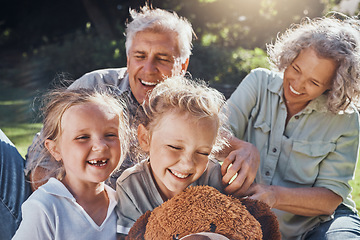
(264, 193)
(243, 160)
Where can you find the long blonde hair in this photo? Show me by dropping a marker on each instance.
(56, 102)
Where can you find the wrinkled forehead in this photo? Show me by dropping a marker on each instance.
(163, 42)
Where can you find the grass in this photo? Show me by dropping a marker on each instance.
(21, 135)
(17, 122)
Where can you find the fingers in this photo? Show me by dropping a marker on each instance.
(228, 169)
(225, 165)
(238, 187)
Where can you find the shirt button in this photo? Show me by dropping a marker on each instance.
(274, 150)
(267, 173)
(296, 117)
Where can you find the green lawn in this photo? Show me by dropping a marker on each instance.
(17, 122)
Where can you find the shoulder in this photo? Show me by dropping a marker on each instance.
(266, 76)
(43, 200)
(111, 76)
(135, 175)
(105, 73)
(213, 163)
(349, 120)
(261, 79)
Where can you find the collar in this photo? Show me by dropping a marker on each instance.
(125, 89)
(57, 188)
(276, 86)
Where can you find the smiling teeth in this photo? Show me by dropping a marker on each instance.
(179, 175)
(293, 90)
(98, 162)
(149, 83)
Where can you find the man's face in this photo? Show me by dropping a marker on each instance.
(152, 58)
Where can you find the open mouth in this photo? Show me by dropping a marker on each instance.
(294, 91)
(148, 84)
(179, 174)
(98, 163)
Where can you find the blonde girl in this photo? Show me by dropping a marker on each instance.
(179, 138)
(85, 134)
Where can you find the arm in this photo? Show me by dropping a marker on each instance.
(330, 187)
(241, 157)
(301, 201)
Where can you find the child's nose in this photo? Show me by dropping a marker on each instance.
(99, 145)
(188, 161)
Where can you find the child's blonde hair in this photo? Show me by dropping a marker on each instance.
(179, 94)
(56, 103)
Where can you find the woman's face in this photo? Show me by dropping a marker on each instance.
(306, 78)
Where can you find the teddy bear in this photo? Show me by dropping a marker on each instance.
(200, 209)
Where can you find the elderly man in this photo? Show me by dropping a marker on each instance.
(158, 45)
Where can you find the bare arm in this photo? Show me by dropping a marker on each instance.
(241, 158)
(311, 201)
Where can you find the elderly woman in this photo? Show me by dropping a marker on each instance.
(302, 117)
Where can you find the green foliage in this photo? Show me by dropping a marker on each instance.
(225, 66)
(21, 134)
(15, 105)
(75, 55)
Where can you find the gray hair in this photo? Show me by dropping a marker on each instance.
(330, 38)
(159, 21)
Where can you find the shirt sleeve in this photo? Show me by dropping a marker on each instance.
(242, 102)
(35, 223)
(126, 211)
(338, 168)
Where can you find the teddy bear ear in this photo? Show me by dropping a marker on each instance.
(263, 214)
(137, 231)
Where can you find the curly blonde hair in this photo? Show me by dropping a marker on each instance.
(331, 38)
(194, 97)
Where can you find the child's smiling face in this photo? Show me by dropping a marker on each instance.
(88, 144)
(178, 146)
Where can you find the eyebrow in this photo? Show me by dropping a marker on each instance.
(160, 54)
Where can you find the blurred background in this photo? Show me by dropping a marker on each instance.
(43, 41)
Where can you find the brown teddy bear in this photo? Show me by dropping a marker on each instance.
(204, 209)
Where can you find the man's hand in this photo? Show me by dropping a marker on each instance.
(243, 160)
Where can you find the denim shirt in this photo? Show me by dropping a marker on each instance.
(315, 149)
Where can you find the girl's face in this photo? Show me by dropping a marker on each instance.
(307, 77)
(88, 144)
(178, 146)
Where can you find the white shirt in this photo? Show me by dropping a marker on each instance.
(51, 212)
